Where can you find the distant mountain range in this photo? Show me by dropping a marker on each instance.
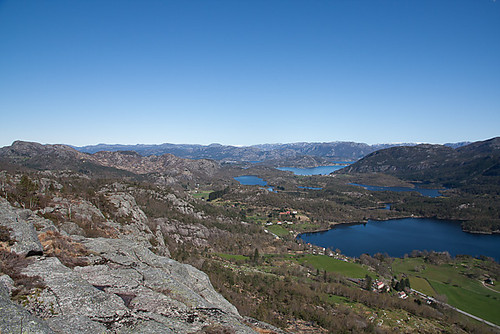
(469, 166)
(278, 154)
(473, 165)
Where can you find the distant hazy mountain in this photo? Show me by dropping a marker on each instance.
(477, 163)
(277, 153)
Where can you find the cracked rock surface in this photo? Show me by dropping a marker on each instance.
(20, 222)
(125, 288)
(129, 289)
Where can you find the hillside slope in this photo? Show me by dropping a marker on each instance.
(116, 164)
(464, 167)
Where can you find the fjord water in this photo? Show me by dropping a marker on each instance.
(321, 170)
(398, 237)
(422, 191)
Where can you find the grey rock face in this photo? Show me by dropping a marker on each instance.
(23, 232)
(160, 273)
(127, 207)
(6, 285)
(73, 294)
(14, 319)
(75, 324)
(81, 210)
(129, 289)
(196, 234)
(126, 288)
(71, 228)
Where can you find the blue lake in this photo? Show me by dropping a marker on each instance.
(311, 188)
(398, 237)
(252, 180)
(422, 191)
(321, 170)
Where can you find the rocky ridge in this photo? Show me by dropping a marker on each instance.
(60, 157)
(120, 286)
(167, 164)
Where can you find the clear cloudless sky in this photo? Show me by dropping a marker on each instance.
(244, 72)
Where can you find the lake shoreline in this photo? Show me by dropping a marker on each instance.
(333, 225)
(396, 239)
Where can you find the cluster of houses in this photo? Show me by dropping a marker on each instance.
(293, 212)
(279, 223)
(379, 286)
(312, 249)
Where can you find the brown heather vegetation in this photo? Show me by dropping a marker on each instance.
(69, 252)
(5, 239)
(12, 264)
(216, 329)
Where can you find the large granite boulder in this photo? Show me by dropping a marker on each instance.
(128, 289)
(21, 230)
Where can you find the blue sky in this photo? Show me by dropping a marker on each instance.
(249, 72)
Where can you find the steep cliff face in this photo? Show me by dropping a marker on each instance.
(117, 285)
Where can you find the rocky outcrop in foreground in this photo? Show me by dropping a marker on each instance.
(119, 286)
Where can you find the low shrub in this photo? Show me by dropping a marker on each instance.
(12, 265)
(69, 252)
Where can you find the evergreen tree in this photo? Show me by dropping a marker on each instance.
(368, 282)
(256, 256)
(26, 191)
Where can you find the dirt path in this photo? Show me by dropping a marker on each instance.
(487, 287)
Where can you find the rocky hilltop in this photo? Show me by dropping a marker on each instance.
(166, 163)
(60, 157)
(113, 283)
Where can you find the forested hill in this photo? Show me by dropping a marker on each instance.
(467, 167)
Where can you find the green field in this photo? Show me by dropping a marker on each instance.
(421, 284)
(475, 300)
(201, 194)
(278, 230)
(324, 262)
(232, 256)
(333, 299)
(464, 293)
